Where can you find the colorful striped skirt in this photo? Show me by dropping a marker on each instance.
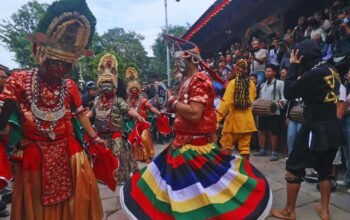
(197, 182)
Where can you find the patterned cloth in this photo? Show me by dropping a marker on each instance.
(197, 89)
(193, 179)
(197, 182)
(30, 183)
(110, 118)
(109, 123)
(127, 164)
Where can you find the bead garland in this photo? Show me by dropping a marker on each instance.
(51, 115)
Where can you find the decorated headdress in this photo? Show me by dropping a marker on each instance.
(108, 70)
(185, 49)
(188, 50)
(64, 32)
(240, 67)
(132, 79)
(108, 63)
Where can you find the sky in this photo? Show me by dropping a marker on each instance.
(145, 17)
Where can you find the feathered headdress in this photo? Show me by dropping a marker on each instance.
(64, 32)
(108, 70)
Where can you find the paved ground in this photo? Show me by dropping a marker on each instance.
(308, 196)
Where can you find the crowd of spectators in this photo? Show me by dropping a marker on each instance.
(268, 57)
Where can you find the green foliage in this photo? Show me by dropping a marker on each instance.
(127, 45)
(158, 63)
(14, 32)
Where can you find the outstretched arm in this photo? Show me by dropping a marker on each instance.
(85, 122)
(136, 115)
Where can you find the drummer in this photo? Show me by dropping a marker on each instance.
(271, 126)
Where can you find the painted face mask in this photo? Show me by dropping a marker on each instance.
(107, 88)
(181, 66)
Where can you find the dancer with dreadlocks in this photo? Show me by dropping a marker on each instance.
(192, 178)
(236, 111)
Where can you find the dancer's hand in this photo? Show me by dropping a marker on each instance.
(294, 57)
(139, 118)
(101, 142)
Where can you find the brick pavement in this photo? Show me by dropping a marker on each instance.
(274, 171)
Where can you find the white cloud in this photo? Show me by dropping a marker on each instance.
(145, 17)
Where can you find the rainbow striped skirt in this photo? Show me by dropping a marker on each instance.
(197, 182)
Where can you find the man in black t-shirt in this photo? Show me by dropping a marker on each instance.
(318, 139)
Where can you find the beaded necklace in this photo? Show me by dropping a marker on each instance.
(49, 114)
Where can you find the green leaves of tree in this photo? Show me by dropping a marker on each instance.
(14, 31)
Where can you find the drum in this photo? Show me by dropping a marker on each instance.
(262, 107)
(161, 94)
(296, 113)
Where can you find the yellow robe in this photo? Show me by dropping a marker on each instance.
(236, 121)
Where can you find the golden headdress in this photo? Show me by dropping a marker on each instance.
(241, 67)
(64, 32)
(108, 70)
(132, 79)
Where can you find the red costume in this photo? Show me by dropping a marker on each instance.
(192, 178)
(53, 180)
(143, 149)
(5, 167)
(198, 89)
(50, 185)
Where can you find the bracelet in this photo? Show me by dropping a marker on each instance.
(80, 109)
(95, 138)
(173, 106)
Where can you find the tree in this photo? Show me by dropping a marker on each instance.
(14, 31)
(158, 64)
(127, 45)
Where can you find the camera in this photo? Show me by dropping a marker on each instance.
(338, 21)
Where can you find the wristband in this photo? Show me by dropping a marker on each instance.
(95, 139)
(1, 103)
(80, 109)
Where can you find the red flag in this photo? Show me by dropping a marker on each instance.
(163, 125)
(105, 164)
(5, 167)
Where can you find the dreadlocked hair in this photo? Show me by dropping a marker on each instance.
(242, 82)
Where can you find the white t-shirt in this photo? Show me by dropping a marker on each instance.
(342, 93)
(262, 53)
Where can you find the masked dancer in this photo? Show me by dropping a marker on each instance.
(192, 178)
(140, 136)
(53, 179)
(109, 110)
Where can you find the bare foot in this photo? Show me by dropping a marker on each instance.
(283, 214)
(324, 215)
